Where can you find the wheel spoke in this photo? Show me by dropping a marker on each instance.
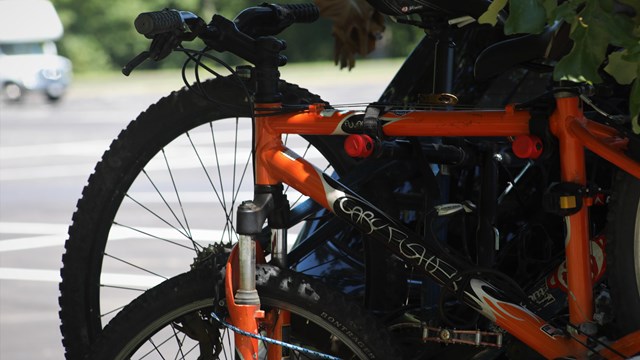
(213, 187)
(155, 202)
(134, 265)
(178, 342)
(158, 216)
(156, 348)
(215, 151)
(119, 308)
(177, 193)
(195, 244)
(184, 230)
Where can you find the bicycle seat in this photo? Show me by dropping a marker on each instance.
(551, 44)
(473, 8)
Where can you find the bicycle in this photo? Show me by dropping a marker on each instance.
(451, 272)
(89, 298)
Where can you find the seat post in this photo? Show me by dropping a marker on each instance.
(444, 55)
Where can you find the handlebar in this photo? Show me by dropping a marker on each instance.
(158, 22)
(248, 36)
(263, 20)
(303, 13)
(271, 19)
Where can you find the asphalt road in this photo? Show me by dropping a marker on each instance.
(46, 154)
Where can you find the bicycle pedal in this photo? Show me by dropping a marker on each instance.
(467, 337)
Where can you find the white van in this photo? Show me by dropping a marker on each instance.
(29, 60)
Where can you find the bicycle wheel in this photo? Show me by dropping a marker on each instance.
(166, 189)
(623, 252)
(173, 320)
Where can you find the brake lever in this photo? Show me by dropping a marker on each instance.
(135, 62)
(161, 46)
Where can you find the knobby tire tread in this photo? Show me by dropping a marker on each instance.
(623, 213)
(120, 164)
(274, 285)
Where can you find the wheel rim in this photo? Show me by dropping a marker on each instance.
(163, 338)
(183, 200)
(13, 92)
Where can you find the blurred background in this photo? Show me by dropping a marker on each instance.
(99, 34)
(51, 137)
(42, 45)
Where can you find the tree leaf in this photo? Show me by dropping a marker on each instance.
(550, 7)
(635, 4)
(620, 27)
(623, 71)
(525, 16)
(590, 41)
(595, 26)
(582, 63)
(491, 15)
(633, 54)
(565, 11)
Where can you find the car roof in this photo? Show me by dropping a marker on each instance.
(28, 20)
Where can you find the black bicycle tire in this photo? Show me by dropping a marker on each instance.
(277, 288)
(623, 248)
(143, 137)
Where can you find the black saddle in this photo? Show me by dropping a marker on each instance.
(452, 8)
(551, 44)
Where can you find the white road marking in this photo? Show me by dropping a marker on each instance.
(194, 197)
(225, 139)
(78, 148)
(45, 172)
(225, 144)
(30, 274)
(51, 235)
(84, 170)
(127, 280)
(56, 235)
(32, 228)
(107, 279)
(34, 242)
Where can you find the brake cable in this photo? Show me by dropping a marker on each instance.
(273, 341)
(592, 338)
(617, 119)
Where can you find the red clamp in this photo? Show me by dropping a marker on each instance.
(527, 146)
(359, 146)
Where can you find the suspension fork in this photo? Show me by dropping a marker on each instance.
(242, 297)
(270, 203)
(243, 315)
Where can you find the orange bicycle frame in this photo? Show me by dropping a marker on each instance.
(275, 164)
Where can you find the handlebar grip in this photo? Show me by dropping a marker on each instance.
(303, 13)
(157, 22)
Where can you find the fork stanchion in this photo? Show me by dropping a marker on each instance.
(279, 247)
(247, 293)
(245, 316)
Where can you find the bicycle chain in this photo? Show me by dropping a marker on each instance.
(273, 341)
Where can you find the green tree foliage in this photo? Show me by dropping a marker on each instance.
(603, 33)
(99, 35)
